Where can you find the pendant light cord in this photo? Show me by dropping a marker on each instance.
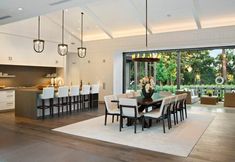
(63, 27)
(82, 29)
(146, 25)
(38, 27)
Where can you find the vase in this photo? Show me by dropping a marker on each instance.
(147, 95)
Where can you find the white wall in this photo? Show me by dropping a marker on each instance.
(106, 72)
(21, 51)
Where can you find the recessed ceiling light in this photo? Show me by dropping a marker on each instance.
(20, 9)
(168, 15)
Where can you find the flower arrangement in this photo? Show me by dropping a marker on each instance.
(147, 85)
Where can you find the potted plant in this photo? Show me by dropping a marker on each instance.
(209, 93)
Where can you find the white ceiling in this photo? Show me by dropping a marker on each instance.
(108, 19)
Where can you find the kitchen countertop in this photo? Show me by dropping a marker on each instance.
(7, 88)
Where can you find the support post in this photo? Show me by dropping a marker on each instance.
(178, 60)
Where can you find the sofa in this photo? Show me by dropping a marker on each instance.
(192, 95)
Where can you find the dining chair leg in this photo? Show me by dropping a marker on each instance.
(142, 122)
(51, 107)
(58, 104)
(186, 115)
(43, 109)
(174, 118)
(62, 104)
(182, 111)
(112, 118)
(163, 125)
(120, 125)
(117, 117)
(177, 121)
(135, 124)
(105, 119)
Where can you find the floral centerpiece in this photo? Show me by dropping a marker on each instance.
(147, 85)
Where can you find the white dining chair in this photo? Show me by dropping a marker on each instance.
(94, 98)
(74, 97)
(111, 107)
(85, 96)
(129, 110)
(47, 95)
(160, 114)
(62, 99)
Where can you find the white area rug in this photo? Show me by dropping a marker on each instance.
(179, 140)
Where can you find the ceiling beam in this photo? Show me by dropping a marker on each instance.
(195, 9)
(97, 20)
(58, 24)
(140, 15)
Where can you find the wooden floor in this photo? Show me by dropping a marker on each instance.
(24, 140)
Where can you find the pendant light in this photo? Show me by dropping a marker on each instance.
(82, 50)
(145, 56)
(38, 44)
(62, 48)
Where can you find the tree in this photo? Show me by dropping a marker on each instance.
(161, 72)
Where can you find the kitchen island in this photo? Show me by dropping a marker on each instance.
(26, 102)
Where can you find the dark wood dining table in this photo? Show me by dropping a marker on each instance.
(155, 100)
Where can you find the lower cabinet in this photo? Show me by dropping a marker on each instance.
(7, 99)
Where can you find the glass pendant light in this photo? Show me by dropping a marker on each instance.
(62, 48)
(146, 56)
(82, 50)
(38, 44)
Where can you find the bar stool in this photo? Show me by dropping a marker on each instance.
(63, 93)
(94, 96)
(47, 94)
(85, 95)
(74, 97)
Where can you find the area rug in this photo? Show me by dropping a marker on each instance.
(179, 140)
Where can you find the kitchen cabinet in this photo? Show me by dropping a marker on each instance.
(7, 99)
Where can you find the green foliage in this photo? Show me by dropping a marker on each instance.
(161, 72)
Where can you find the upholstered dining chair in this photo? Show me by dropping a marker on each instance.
(74, 97)
(124, 95)
(94, 97)
(165, 93)
(160, 114)
(85, 95)
(181, 105)
(173, 109)
(62, 98)
(129, 110)
(47, 94)
(111, 108)
(137, 93)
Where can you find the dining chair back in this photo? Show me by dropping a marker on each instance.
(124, 95)
(85, 90)
(128, 107)
(129, 110)
(47, 93)
(74, 91)
(63, 91)
(137, 93)
(95, 88)
(111, 108)
(165, 93)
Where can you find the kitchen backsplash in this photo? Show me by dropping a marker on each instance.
(24, 76)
